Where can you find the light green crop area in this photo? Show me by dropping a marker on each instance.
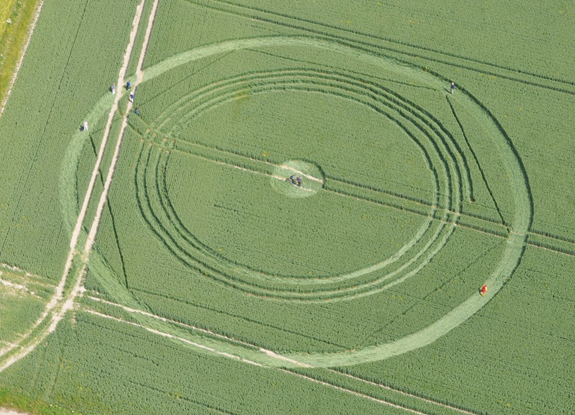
(5, 12)
(301, 215)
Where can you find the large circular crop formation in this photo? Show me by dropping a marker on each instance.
(331, 156)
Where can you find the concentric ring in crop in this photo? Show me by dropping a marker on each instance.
(519, 192)
(418, 251)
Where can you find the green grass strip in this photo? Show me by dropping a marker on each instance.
(6, 12)
(16, 400)
(13, 37)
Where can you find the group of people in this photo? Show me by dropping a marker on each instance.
(131, 97)
(128, 87)
(113, 91)
(295, 180)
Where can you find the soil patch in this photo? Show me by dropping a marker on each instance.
(5, 411)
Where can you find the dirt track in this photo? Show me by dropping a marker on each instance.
(59, 303)
(4, 411)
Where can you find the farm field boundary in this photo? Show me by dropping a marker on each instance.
(6, 12)
(13, 47)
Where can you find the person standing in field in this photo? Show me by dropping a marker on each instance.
(299, 181)
(131, 96)
(113, 89)
(137, 111)
(85, 127)
(452, 87)
(128, 85)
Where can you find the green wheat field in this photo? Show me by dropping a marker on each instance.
(300, 216)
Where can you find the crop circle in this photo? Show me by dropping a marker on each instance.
(442, 216)
(427, 241)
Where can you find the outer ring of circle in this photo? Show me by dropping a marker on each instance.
(419, 257)
(519, 188)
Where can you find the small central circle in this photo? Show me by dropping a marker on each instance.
(297, 179)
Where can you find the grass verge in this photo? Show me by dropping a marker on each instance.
(12, 40)
(18, 402)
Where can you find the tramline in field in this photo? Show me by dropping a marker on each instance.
(287, 201)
